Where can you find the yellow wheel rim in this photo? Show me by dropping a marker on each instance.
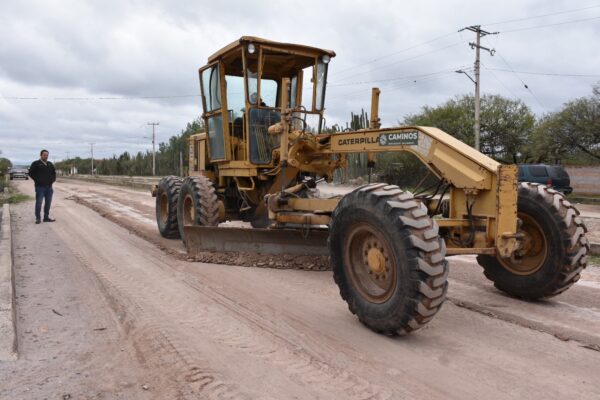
(534, 251)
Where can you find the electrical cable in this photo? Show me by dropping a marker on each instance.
(98, 98)
(396, 52)
(404, 60)
(519, 78)
(546, 73)
(549, 25)
(500, 82)
(541, 16)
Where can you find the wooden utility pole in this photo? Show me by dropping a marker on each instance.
(92, 145)
(153, 147)
(477, 46)
(180, 163)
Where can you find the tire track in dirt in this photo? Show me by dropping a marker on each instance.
(144, 327)
(141, 229)
(237, 332)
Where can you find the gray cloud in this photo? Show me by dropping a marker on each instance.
(115, 48)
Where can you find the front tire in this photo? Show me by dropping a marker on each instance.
(554, 248)
(197, 203)
(167, 196)
(388, 259)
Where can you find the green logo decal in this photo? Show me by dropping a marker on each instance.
(399, 138)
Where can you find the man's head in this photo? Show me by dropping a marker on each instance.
(44, 155)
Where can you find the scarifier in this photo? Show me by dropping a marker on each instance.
(265, 150)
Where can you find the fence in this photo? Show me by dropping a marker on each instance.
(584, 180)
(138, 182)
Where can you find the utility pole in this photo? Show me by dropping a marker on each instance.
(68, 173)
(180, 163)
(92, 146)
(153, 147)
(477, 46)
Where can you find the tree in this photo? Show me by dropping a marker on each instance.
(5, 164)
(506, 125)
(167, 157)
(572, 133)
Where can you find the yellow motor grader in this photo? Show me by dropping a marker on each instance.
(265, 149)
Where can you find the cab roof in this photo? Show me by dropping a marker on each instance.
(297, 49)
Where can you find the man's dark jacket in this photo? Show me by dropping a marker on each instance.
(42, 174)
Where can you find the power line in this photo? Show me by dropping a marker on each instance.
(521, 80)
(488, 24)
(541, 16)
(546, 73)
(395, 87)
(548, 25)
(397, 52)
(98, 98)
(501, 83)
(392, 79)
(404, 60)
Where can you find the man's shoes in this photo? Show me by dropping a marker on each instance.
(49, 219)
(37, 221)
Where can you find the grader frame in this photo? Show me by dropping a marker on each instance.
(259, 159)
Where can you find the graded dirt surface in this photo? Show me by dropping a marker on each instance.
(109, 310)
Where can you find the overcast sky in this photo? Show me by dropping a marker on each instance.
(72, 72)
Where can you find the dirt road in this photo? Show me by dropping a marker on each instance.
(110, 310)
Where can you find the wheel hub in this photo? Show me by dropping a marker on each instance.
(375, 260)
(530, 257)
(370, 263)
(164, 208)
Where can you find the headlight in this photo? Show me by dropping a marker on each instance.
(251, 48)
(325, 59)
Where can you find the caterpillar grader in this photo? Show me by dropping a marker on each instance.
(265, 148)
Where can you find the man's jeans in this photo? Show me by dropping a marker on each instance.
(43, 193)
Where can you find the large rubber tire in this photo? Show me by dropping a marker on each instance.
(197, 204)
(388, 259)
(555, 247)
(167, 196)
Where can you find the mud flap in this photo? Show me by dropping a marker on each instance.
(262, 241)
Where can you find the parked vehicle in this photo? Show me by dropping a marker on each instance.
(18, 173)
(553, 176)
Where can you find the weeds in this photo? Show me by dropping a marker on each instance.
(11, 196)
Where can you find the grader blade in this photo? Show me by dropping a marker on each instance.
(262, 241)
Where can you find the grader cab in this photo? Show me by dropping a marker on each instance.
(265, 149)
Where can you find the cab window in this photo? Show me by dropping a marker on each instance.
(235, 96)
(268, 92)
(211, 88)
(321, 78)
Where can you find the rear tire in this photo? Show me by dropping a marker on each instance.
(555, 247)
(197, 203)
(167, 196)
(388, 259)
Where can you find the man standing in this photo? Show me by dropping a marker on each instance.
(43, 174)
